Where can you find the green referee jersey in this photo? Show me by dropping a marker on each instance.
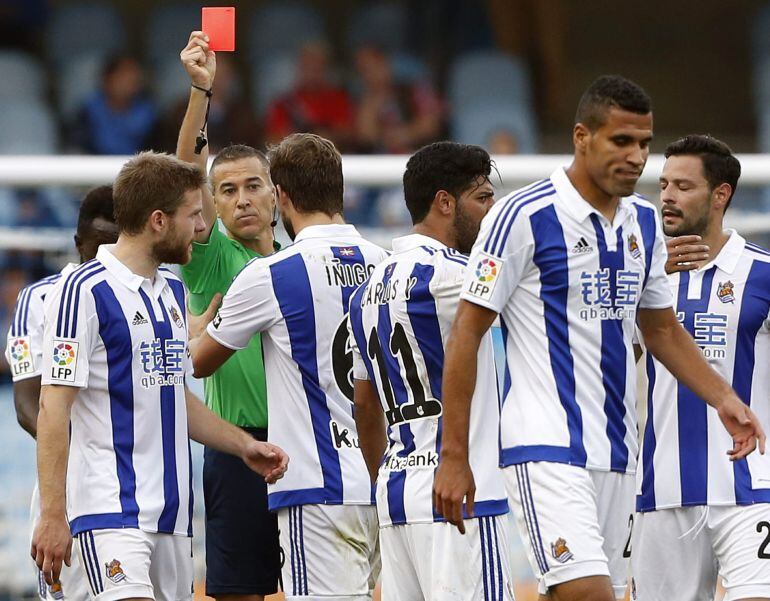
(236, 391)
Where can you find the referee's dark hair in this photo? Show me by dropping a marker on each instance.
(96, 203)
(719, 164)
(447, 166)
(610, 91)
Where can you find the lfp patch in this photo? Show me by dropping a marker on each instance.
(21, 357)
(65, 356)
(485, 274)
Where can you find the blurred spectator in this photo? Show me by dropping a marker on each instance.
(117, 118)
(393, 117)
(231, 119)
(33, 210)
(315, 104)
(502, 141)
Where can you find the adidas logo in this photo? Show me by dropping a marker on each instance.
(138, 319)
(582, 247)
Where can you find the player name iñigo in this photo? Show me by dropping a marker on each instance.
(347, 274)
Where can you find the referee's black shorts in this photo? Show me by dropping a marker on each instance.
(242, 550)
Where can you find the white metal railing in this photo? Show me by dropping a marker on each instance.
(358, 170)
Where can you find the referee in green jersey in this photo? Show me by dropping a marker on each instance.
(242, 551)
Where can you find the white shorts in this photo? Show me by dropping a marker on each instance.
(683, 549)
(434, 562)
(72, 585)
(331, 552)
(574, 522)
(125, 563)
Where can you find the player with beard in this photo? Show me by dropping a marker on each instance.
(448, 192)
(115, 415)
(571, 264)
(698, 514)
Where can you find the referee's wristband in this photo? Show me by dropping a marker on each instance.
(208, 92)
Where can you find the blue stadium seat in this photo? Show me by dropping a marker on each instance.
(23, 76)
(75, 81)
(92, 28)
(476, 123)
(474, 76)
(272, 77)
(283, 28)
(169, 28)
(384, 24)
(27, 127)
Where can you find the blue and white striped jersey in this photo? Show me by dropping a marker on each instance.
(567, 284)
(122, 340)
(298, 299)
(400, 320)
(725, 305)
(24, 343)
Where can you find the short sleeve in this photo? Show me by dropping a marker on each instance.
(359, 366)
(656, 293)
(499, 258)
(70, 335)
(248, 307)
(25, 336)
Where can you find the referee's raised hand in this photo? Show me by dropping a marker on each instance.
(199, 62)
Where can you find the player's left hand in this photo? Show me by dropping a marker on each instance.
(196, 324)
(51, 546)
(743, 426)
(266, 459)
(453, 484)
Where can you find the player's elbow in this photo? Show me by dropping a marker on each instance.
(202, 370)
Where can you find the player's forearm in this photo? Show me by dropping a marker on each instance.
(211, 430)
(370, 425)
(26, 401)
(671, 345)
(191, 125)
(52, 454)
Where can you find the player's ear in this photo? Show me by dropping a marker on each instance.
(721, 195)
(580, 137)
(443, 202)
(157, 220)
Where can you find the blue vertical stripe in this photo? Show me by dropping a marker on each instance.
(502, 234)
(755, 307)
(645, 216)
(97, 564)
(72, 288)
(293, 550)
(351, 257)
(85, 555)
(692, 411)
(490, 560)
(512, 205)
(646, 499)
(493, 520)
(302, 551)
(116, 337)
(163, 333)
(484, 561)
(291, 285)
(613, 361)
(550, 257)
(529, 517)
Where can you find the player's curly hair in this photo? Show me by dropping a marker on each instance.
(610, 91)
(719, 164)
(445, 166)
(96, 203)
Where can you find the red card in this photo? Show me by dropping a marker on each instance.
(218, 22)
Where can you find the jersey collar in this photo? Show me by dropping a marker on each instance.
(124, 275)
(728, 257)
(332, 230)
(578, 207)
(410, 241)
